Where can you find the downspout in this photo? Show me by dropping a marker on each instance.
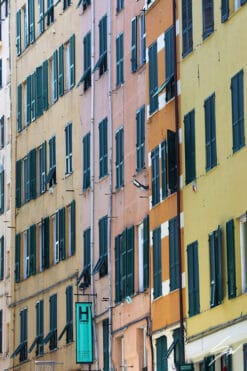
(181, 309)
(110, 136)
(92, 190)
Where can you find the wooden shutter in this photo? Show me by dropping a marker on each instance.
(61, 70)
(106, 344)
(169, 53)
(62, 246)
(208, 17)
(31, 21)
(72, 60)
(173, 254)
(212, 253)
(153, 77)
(19, 107)
(219, 267)
(224, 10)
(123, 262)
(69, 314)
(140, 138)
(172, 161)
(117, 270)
(46, 226)
(45, 85)
(210, 133)
(130, 273)
(33, 249)
(28, 100)
(155, 176)
(193, 278)
(17, 257)
(237, 111)
(163, 169)
(231, 270)
(33, 96)
(189, 134)
(2, 182)
(55, 76)
(134, 44)
(73, 227)
(41, 16)
(39, 91)
(103, 165)
(187, 26)
(157, 269)
(2, 258)
(146, 252)
(161, 350)
(32, 172)
(18, 32)
(18, 183)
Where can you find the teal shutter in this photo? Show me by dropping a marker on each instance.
(39, 91)
(31, 20)
(231, 270)
(62, 246)
(102, 62)
(19, 108)
(142, 38)
(32, 172)
(123, 261)
(33, 96)
(238, 111)
(187, 26)
(119, 158)
(224, 10)
(53, 321)
(117, 270)
(106, 345)
(73, 228)
(193, 278)
(54, 76)
(69, 314)
(169, 53)
(60, 71)
(33, 249)
(45, 85)
(18, 183)
(157, 269)
(39, 326)
(140, 138)
(216, 286)
(2, 191)
(103, 244)
(173, 254)
(2, 258)
(134, 44)
(212, 270)
(172, 161)
(130, 264)
(146, 252)
(189, 134)
(119, 59)
(153, 77)
(103, 157)
(163, 170)
(210, 133)
(41, 17)
(86, 161)
(208, 17)
(46, 226)
(18, 32)
(28, 100)
(161, 351)
(219, 269)
(72, 60)
(17, 257)
(155, 176)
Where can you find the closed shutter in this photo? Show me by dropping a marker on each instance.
(155, 176)
(130, 261)
(28, 100)
(33, 249)
(31, 21)
(231, 270)
(17, 257)
(19, 108)
(173, 254)
(187, 26)
(140, 138)
(146, 252)
(210, 133)
(169, 53)
(33, 96)
(172, 161)
(153, 78)
(163, 170)
(54, 76)
(2, 182)
(157, 272)
(39, 91)
(117, 270)
(73, 228)
(161, 351)
(18, 32)
(46, 259)
(106, 345)
(72, 60)
(224, 10)
(237, 111)
(32, 172)
(62, 247)
(123, 262)
(18, 183)
(45, 85)
(69, 314)
(189, 134)
(134, 44)
(2, 258)
(193, 278)
(60, 71)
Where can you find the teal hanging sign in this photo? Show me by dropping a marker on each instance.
(84, 333)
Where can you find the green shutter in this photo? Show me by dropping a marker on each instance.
(33, 96)
(155, 176)
(2, 258)
(187, 26)
(193, 278)
(19, 107)
(210, 133)
(33, 249)
(134, 44)
(219, 268)
(169, 53)
(18, 183)
(41, 17)
(189, 134)
(140, 138)
(224, 10)
(31, 20)
(212, 248)
(39, 91)
(18, 32)
(28, 100)
(157, 269)
(163, 170)
(32, 172)
(117, 270)
(17, 257)
(119, 59)
(123, 262)
(173, 254)
(73, 227)
(72, 60)
(231, 270)
(46, 226)
(161, 350)
(2, 191)
(86, 161)
(55, 76)
(60, 71)
(69, 314)
(146, 252)
(106, 345)
(172, 161)
(237, 111)
(130, 264)
(153, 77)
(103, 158)
(45, 86)
(62, 246)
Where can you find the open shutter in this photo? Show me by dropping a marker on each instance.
(146, 252)
(2, 191)
(18, 32)
(32, 172)
(173, 254)
(193, 278)
(60, 71)
(19, 107)
(117, 270)
(33, 96)
(153, 77)
(72, 60)
(123, 262)
(2, 258)
(39, 91)
(231, 270)
(224, 10)
(189, 134)
(172, 161)
(219, 267)
(169, 53)
(17, 257)
(18, 183)
(73, 228)
(187, 26)
(33, 249)
(210, 134)
(28, 100)
(46, 259)
(163, 170)
(69, 314)
(41, 16)
(106, 344)
(157, 273)
(161, 351)
(62, 234)
(45, 85)
(31, 21)
(212, 253)
(134, 44)
(237, 111)
(54, 76)
(130, 260)
(155, 176)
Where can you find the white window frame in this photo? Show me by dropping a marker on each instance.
(68, 149)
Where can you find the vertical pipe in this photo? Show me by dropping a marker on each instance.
(181, 309)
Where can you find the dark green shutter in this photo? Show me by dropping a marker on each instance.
(155, 176)
(73, 228)
(224, 10)
(2, 182)
(140, 138)
(39, 91)
(41, 16)
(146, 252)
(31, 20)
(238, 111)
(212, 248)
(62, 247)
(231, 270)
(208, 17)
(163, 169)
(173, 254)
(33, 96)
(123, 261)
(219, 269)
(130, 264)
(2, 258)
(33, 249)
(134, 44)
(55, 75)
(189, 134)
(86, 161)
(18, 32)
(46, 226)
(210, 133)
(17, 257)
(172, 160)
(117, 270)
(28, 100)
(72, 60)
(157, 269)
(215, 249)
(119, 58)
(45, 86)
(161, 350)
(69, 314)
(106, 345)
(169, 53)
(18, 183)
(60, 71)
(32, 173)
(103, 158)
(193, 278)
(19, 107)
(153, 77)
(187, 26)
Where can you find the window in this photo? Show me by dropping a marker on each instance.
(66, 4)
(187, 27)
(224, 10)
(68, 148)
(38, 341)
(50, 12)
(101, 63)
(52, 335)
(153, 77)
(71, 61)
(161, 351)
(17, 257)
(231, 270)
(193, 278)
(71, 227)
(1, 324)
(124, 264)
(2, 132)
(23, 335)
(1, 258)
(120, 59)
(86, 272)
(170, 63)
(208, 364)
(174, 254)
(2, 192)
(41, 17)
(30, 251)
(86, 77)
(190, 153)
(208, 17)
(26, 28)
(245, 356)
(86, 161)
(19, 108)
(68, 328)
(102, 263)
(31, 21)
(237, 111)
(140, 138)
(157, 269)
(61, 71)
(42, 168)
(216, 269)
(120, 5)
(44, 244)
(155, 176)
(143, 254)
(103, 151)
(54, 76)
(59, 235)
(138, 41)
(119, 137)
(210, 132)
(243, 252)
(51, 178)
(106, 345)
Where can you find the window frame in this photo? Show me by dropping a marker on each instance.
(68, 149)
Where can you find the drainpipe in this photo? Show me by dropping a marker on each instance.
(92, 190)
(181, 309)
(110, 136)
